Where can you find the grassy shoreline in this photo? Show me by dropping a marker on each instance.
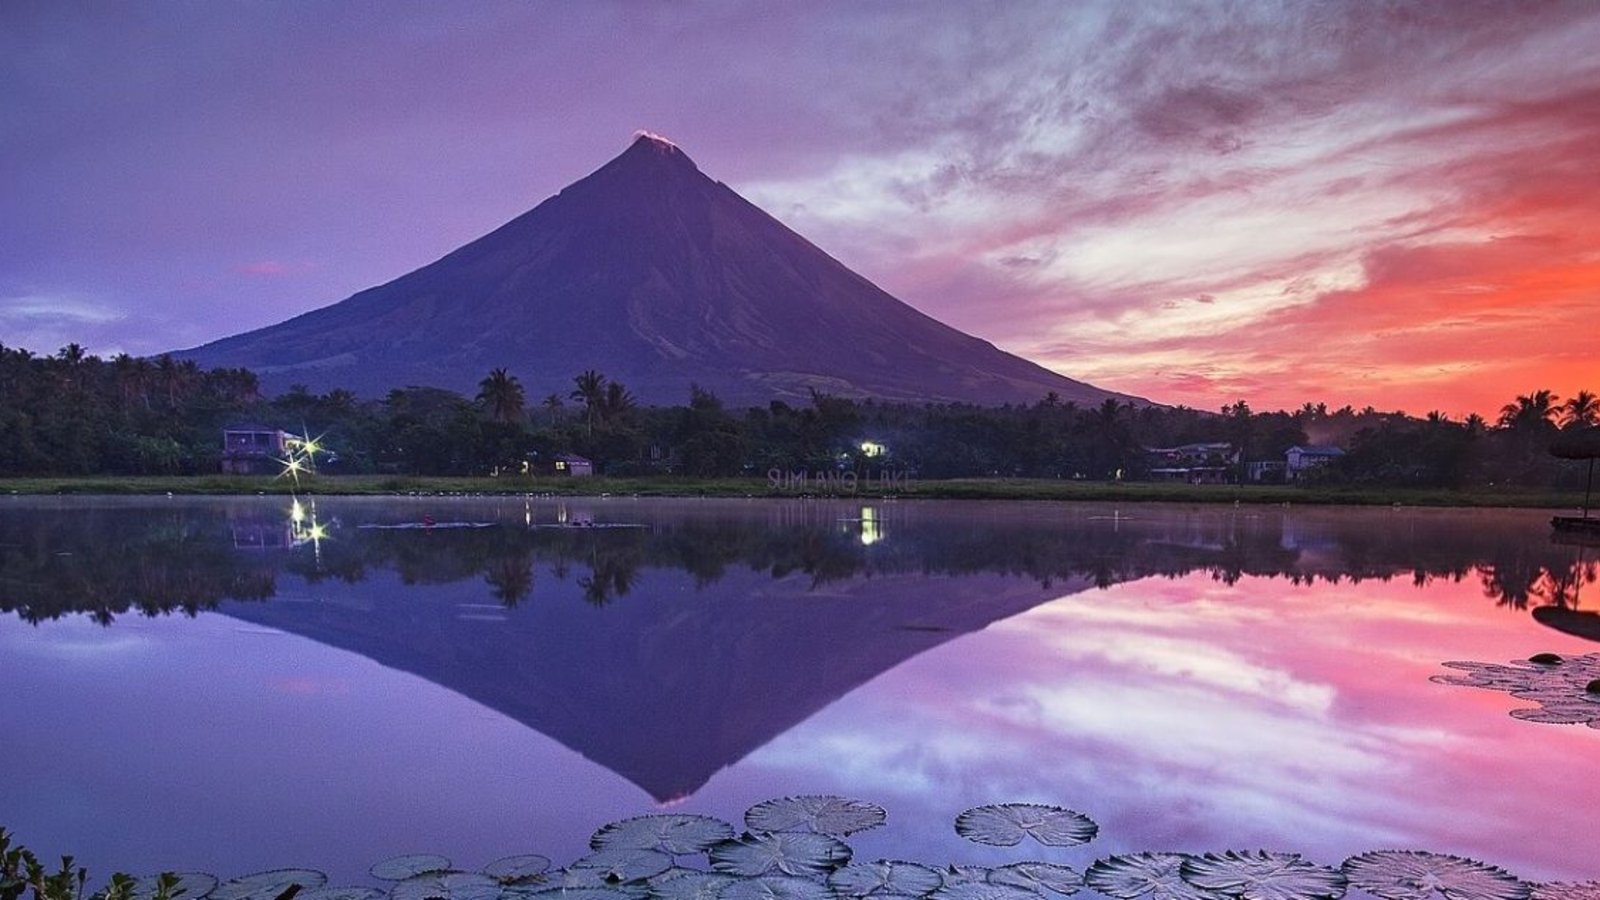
(954, 489)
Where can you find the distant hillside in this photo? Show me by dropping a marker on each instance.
(657, 276)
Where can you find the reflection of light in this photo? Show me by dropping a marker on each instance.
(871, 528)
(561, 514)
(870, 449)
(297, 513)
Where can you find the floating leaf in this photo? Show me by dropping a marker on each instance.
(446, 886)
(1006, 824)
(1554, 714)
(817, 813)
(624, 864)
(885, 878)
(777, 887)
(574, 881)
(195, 885)
(689, 884)
(527, 892)
(674, 834)
(268, 885)
(1567, 890)
(1418, 875)
(1264, 875)
(783, 852)
(1039, 877)
(954, 876)
(355, 892)
(399, 868)
(983, 890)
(514, 869)
(1144, 876)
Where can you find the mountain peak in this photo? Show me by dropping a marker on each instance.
(648, 144)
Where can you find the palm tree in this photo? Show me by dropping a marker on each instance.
(618, 402)
(1582, 408)
(1529, 412)
(591, 392)
(502, 393)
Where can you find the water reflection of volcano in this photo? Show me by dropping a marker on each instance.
(668, 651)
(675, 683)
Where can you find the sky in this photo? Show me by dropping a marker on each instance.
(1382, 203)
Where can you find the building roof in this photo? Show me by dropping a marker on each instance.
(1316, 450)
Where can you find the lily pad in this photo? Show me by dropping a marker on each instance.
(780, 853)
(1419, 875)
(954, 876)
(1264, 875)
(1144, 876)
(516, 869)
(983, 890)
(885, 878)
(676, 834)
(624, 864)
(399, 868)
(525, 892)
(268, 885)
(567, 882)
(195, 885)
(1567, 890)
(1039, 877)
(777, 887)
(446, 886)
(1006, 824)
(689, 884)
(822, 814)
(352, 892)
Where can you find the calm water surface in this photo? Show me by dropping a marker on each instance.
(222, 685)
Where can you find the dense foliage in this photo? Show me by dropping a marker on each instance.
(75, 414)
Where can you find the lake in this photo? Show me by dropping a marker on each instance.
(237, 684)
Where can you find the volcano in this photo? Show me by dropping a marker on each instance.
(656, 276)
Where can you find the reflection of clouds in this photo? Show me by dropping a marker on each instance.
(61, 644)
(1261, 714)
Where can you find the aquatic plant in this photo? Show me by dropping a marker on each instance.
(885, 878)
(1144, 876)
(821, 814)
(676, 834)
(399, 868)
(1420, 875)
(639, 858)
(1561, 686)
(1006, 824)
(1263, 875)
(780, 852)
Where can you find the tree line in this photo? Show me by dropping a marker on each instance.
(73, 413)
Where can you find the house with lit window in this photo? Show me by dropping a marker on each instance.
(249, 449)
(559, 465)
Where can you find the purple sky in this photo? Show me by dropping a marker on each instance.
(1390, 203)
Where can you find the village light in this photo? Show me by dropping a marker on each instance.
(870, 449)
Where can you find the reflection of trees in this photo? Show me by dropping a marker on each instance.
(510, 578)
(108, 561)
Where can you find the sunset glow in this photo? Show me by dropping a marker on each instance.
(1395, 205)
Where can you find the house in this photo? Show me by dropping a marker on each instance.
(1300, 460)
(1208, 463)
(249, 449)
(560, 465)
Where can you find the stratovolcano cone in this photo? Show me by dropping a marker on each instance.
(657, 276)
